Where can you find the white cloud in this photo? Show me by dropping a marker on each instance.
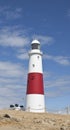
(23, 56)
(44, 39)
(68, 12)
(11, 95)
(59, 59)
(12, 74)
(47, 75)
(8, 13)
(13, 79)
(9, 69)
(59, 82)
(52, 94)
(13, 37)
(62, 60)
(60, 85)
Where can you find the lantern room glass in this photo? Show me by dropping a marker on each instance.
(36, 46)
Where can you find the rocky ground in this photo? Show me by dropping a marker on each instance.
(21, 120)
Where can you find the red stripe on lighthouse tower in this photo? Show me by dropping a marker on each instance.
(35, 83)
(35, 88)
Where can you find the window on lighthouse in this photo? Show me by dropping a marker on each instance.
(33, 65)
(38, 57)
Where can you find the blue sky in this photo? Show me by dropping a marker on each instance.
(20, 22)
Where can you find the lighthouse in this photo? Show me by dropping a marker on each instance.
(35, 101)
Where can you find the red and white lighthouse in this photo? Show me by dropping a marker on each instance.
(35, 101)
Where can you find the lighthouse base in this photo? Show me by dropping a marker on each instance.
(35, 103)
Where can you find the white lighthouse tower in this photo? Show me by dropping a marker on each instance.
(35, 101)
